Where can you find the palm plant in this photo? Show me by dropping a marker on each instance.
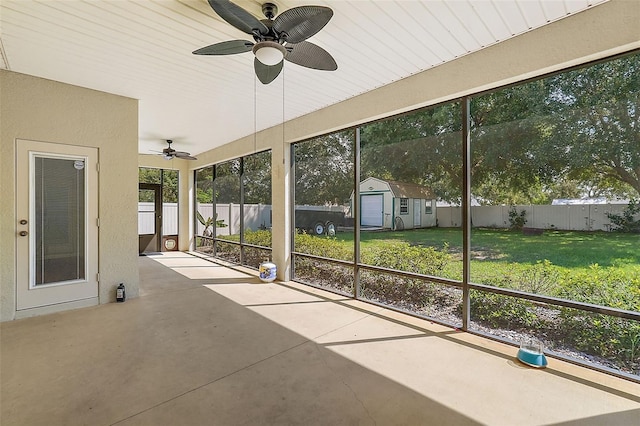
(208, 224)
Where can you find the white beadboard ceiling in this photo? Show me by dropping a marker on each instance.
(142, 49)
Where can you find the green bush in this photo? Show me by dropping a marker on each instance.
(602, 286)
(322, 273)
(602, 335)
(322, 246)
(258, 238)
(615, 339)
(517, 220)
(626, 221)
(402, 256)
(404, 292)
(499, 311)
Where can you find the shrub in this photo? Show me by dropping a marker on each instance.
(517, 220)
(258, 238)
(322, 246)
(402, 256)
(625, 222)
(602, 286)
(324, 274)
(541, 278)
(499, 311)
(602, 335)
(404, 292)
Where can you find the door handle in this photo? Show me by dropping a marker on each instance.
(23, 233)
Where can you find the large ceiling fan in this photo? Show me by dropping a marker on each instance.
(275, 39)
(169, 153)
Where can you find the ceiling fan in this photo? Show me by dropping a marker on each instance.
(275, 39)
(170, 153)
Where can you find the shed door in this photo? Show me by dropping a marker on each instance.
(372, 210)
(417, 213)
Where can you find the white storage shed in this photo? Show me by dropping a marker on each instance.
(396, 205)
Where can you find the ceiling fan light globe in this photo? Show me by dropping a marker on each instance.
(167, 156)
(269, 52)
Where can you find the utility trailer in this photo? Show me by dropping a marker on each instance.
(319, 222)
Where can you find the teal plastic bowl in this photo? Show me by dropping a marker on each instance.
(533, 359)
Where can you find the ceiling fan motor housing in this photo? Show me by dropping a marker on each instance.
(269, 10)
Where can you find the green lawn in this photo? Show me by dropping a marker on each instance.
(497, 248)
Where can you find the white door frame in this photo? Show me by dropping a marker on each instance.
(29, 295)
(370, 217)
(417, 212)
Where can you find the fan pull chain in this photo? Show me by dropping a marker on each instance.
(283, 126)
(255, 114)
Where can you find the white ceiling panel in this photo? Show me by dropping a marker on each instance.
(142, 49)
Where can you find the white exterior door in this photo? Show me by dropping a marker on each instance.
(417, 213)
(372, 210)
(57, 229)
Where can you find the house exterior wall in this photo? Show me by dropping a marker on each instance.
(32, 108)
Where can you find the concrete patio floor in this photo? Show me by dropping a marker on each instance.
(208, 345)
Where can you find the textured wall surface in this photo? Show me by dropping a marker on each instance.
(42, 110)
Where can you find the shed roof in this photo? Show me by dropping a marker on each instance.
(410, 190)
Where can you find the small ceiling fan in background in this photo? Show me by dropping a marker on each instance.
(170, 153)
(275, 39)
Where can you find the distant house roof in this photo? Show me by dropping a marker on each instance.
(583, 201)
(410, 190)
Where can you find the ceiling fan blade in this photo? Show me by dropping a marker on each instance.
(302, 22)
(310, 55)
(265, 73)
(184, 156)
(230, 47)
(238, 17)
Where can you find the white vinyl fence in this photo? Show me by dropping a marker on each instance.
(256, 216)
(581, 217)
(588, 217)
(146, 218)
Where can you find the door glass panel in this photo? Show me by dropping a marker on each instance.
(146, 212)
(59, 193)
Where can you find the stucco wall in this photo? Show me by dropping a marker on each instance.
(42, 110)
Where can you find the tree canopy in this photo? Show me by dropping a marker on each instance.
(255, 170)
(324, 169)
(571, 135)
(168, 179)
(574, 134)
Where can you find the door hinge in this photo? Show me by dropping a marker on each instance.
(97, 167)
(98, 222)
(98, 277)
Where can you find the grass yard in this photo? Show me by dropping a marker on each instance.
(495, 250)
